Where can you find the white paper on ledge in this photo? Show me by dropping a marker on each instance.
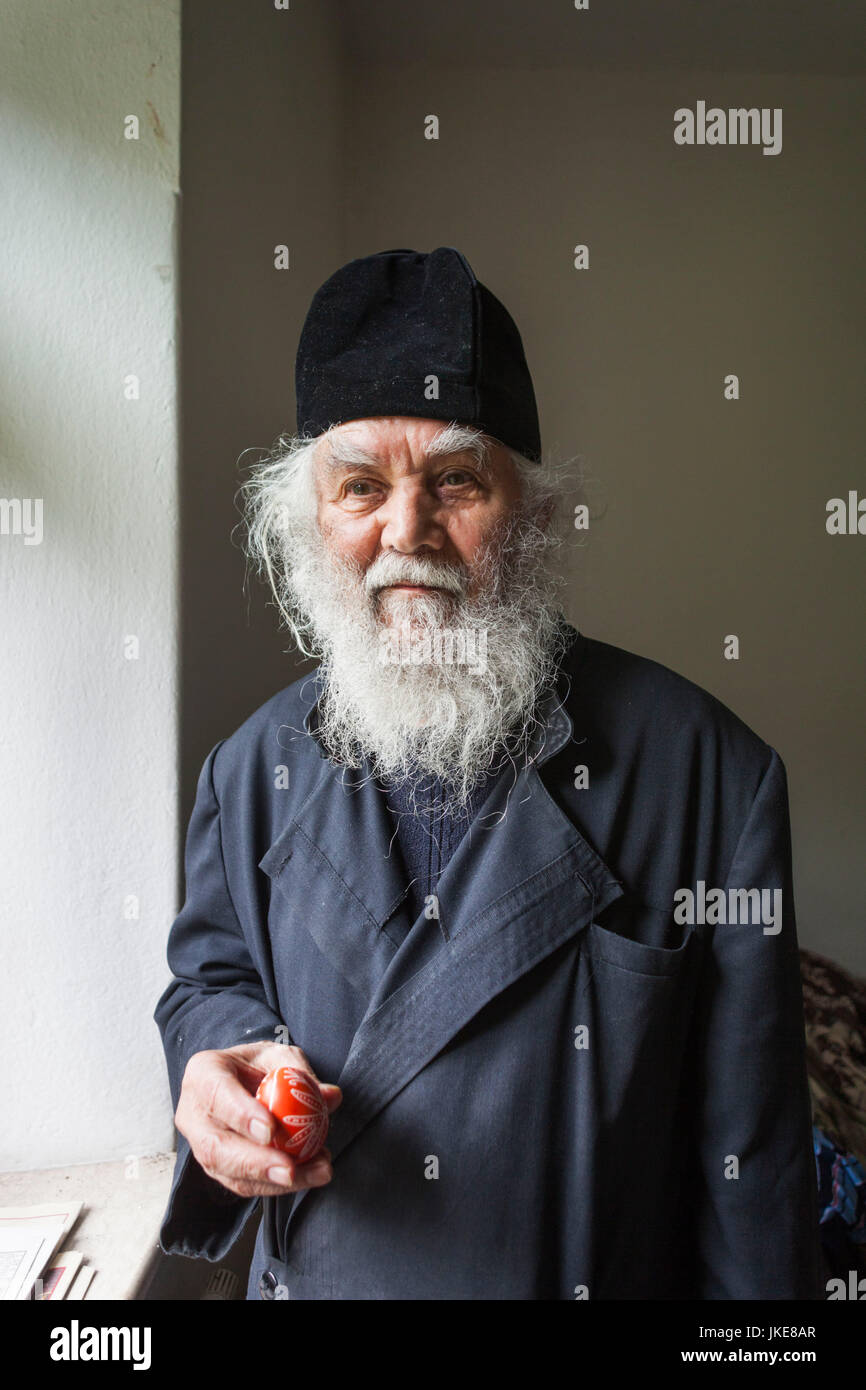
(29, 1236)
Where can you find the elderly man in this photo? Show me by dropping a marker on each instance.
(519, 900)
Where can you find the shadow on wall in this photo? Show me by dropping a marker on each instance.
(260, 121)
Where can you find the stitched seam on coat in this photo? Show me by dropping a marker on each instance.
(644, 974)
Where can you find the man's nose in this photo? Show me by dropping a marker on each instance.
(410, 519)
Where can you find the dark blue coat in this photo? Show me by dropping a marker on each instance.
(596, 1163)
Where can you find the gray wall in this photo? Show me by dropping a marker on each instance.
(261, 149)
(708, 514)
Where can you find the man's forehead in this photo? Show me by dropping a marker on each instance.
(351, 446)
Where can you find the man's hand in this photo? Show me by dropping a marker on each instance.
(230, 1132)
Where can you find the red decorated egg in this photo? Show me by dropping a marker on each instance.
(295, 1099)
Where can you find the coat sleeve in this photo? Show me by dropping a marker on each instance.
(757, 1232)
(216, 999)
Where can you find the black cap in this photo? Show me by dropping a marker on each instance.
(414, 333)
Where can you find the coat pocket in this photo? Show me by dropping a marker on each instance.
(636, 998)
(640, 938)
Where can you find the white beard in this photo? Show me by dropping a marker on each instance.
(456, 720)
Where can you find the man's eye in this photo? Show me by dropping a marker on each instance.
(357, 483)
(460, 474)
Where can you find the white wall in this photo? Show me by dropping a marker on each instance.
(88, 739)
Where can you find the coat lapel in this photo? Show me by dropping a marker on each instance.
(336, 868)
(506, 904)
(522, 882)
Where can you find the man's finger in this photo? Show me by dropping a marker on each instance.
(332, 1096)
(232, 1107)
(250, 1170)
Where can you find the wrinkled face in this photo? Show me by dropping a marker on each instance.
(402, 501)
(420, 576)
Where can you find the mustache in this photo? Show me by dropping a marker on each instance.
(412, 569)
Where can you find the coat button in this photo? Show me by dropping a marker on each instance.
(268, 1284)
